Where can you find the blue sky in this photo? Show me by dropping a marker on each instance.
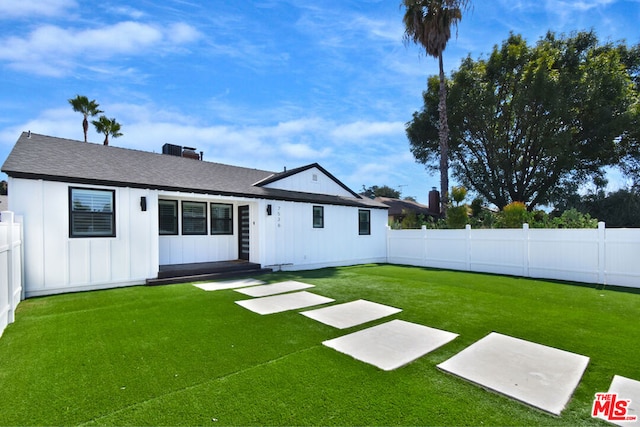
(256, 83)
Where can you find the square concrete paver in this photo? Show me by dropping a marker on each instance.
(274, 288)
(391, 345)
(626, 389)
(350, 314)
(228, 284)
(283, 302)
(541, 376)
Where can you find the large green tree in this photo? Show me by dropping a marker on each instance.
(108, 127)
(384, 191)
(81, 104)
(428, 23)
(529, 121)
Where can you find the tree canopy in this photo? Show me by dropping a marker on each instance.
(529, 121)
(107, 127)
(384, 191)
(81, 104)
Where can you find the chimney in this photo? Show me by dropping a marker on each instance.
(434, 200)
(190, 153)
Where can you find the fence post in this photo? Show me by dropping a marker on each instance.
(7, 218)
(424, 245)
(467, 233)
(601, 253)
(525, 250)
(388, 239)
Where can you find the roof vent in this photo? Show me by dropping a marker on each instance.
(172, 150)
(180, 151)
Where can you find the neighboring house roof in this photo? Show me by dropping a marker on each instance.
(401, 207)
(57, 159)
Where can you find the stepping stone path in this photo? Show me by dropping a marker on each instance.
(284, 302)
(541, 376)
(350, 314)
(276, 288)
(538, 375)
(627, 389)
(230, 284)
(391, 345)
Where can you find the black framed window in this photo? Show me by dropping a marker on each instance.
(168, 217)
(194, 218)
(364, 222)
(318, 217)
(91, 212)
(221, 218)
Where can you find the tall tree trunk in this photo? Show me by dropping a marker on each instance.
(85, 127)
(443, 134)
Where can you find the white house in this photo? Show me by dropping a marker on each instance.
(99, 216)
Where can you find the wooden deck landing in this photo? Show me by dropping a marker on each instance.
(182, 273)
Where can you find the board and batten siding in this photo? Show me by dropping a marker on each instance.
(313, 181)
(55, 262)
(289, 241)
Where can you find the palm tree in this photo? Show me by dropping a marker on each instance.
(81, 104)
(107, 127)
(428, 23)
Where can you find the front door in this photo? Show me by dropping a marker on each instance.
(243, 232)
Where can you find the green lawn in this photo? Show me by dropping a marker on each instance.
(177, 355)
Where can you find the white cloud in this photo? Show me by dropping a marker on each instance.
(55, 51)
(128, 11)
(304, 151)
(32, 8)
(266, 146)
(180, 33)
(580, 6)
(362, 129)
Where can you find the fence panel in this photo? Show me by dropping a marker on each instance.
(608, 257)
(622, 257)
(565, 254)
(498, 251)
(10, 268)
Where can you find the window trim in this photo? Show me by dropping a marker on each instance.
(192, 233)
(228, 220)
(360, 223)
(321, 216)
(176, 222)
(72, 213)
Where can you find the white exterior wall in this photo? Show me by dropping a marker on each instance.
(56, 263)
(203, 248)
(288, 239)
(312, 180)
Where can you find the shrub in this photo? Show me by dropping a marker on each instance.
(457, 216)
(513, 215)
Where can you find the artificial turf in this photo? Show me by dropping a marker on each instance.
(178, 355)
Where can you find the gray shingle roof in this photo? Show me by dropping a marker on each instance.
(399, 207)
(56, 159)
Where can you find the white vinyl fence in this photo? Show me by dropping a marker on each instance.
(602, 256)
(10, 267)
